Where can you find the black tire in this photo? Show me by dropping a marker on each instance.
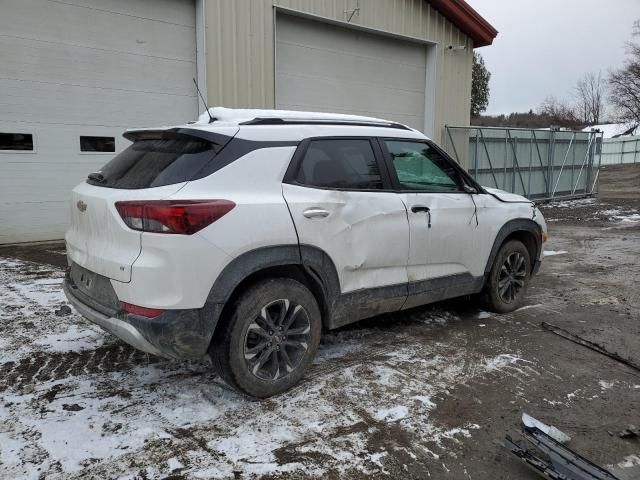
(509, 278)
(255, 350)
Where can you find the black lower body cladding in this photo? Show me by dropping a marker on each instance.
(178, 334)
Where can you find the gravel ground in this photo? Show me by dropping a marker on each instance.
(426, 393)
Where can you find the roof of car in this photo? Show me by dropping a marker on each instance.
(289, 125)
(242, 116)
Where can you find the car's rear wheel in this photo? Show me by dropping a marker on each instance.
(509, 277)
(269, 339)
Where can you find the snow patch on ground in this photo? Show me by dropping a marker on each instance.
(76, 338)
(631, 218)
(98, 424)
(392, 414)
(179, 417)
(527, 307)
(501, 361)
(628, 462)
(582, 202)
(550, 253)
(30, 295)
(628, 468)
(604, 385)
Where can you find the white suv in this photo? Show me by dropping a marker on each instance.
(244, 237)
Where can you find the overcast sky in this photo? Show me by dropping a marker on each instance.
(545, 46)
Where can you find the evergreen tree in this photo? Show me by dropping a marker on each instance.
(479, 86)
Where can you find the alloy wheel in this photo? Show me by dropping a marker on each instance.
(276, 341)
(512, 276)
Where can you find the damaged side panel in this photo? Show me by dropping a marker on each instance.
(366, 234)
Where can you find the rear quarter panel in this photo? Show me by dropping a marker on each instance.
(178, 271)
(261, 217)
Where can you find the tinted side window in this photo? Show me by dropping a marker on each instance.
(421, 167)
(344, 163)
(155, 162)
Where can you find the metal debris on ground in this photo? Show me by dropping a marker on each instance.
(557, 461)
(591, 345)
(553, 432)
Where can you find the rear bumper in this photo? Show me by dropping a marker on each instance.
(117, 327)
(176, 334)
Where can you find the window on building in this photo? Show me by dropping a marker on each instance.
(97, 144)
(348, 164)
(16, 141)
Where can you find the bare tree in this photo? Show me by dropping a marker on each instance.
(590, 98)
(559, 113)
(624, 84)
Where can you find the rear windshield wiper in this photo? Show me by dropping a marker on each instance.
(97, 177)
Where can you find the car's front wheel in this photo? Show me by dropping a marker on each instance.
(509, 277)
(270, 338)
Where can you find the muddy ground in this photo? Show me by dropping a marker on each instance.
(422, 394)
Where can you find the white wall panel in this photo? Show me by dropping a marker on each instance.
(323, 67)
(83, 67)
(241, 50)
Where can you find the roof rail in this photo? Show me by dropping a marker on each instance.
(317, 121)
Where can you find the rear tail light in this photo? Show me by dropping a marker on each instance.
(184, 217)
(142, 311)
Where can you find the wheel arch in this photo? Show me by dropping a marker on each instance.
(307, 264)
(523, 229)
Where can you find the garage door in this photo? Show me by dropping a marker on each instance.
(327, 68)
(73, 76)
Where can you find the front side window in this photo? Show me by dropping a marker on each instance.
(348, 164)
(421, 167)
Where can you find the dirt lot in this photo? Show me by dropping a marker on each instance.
(427, 393)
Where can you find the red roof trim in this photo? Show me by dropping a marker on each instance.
(467, 20)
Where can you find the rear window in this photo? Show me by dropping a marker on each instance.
(154, 162)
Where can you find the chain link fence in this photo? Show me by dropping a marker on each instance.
(538, 164)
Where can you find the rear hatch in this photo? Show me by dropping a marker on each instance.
(98, 239)
(155, 166)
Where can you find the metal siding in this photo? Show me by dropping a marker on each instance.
(237, 61)
(621, 150)
(535, 163)
(314, 57)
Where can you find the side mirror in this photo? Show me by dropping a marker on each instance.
(470, 190)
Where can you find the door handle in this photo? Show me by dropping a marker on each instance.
(315, 213)
(420, 208)
(423, 208)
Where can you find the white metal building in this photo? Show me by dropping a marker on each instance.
(75, 73)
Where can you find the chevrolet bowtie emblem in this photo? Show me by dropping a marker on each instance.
(81, 205)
